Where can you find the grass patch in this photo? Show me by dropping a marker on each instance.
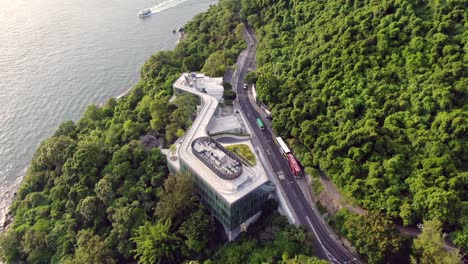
(244, 152)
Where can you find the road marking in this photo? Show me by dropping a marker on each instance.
(302, 207)
(280, 175)
(329, 256)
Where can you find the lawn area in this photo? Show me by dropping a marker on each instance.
(243, 151)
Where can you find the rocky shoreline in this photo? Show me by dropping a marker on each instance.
(7, 196)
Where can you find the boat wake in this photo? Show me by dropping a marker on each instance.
(166, 5)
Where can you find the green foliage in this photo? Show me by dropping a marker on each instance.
(376, 92)
(428, 247)
(91, 249)
(227, 86)
(251, 77)
(194, 229)
(215, 65)
(181, 117)
(155, 243)
(175, 198)
(9, 246)
(229, 96)
(272, 241)
(244, 152)
(87, 208)
(374, 236)
(303, 259)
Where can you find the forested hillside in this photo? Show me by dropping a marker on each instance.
(374, 93)
(98, 190)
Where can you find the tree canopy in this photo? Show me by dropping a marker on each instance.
(374, 93)
(429, 246)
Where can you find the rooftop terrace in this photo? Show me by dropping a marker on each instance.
(220, 160)
(189, 151)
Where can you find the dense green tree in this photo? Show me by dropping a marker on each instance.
(375, 236)
(240, 30)
(104, 190)
(155, 243)
(251, 77)
(87, 207)
(271, 240)
(9, 246)
(53, 153)
(227, 86)
(91, 249)
(67, 128)
(196, 230)
(160, 114)
(175, 198)
(215, 65)
(428, 247)
(229, 96)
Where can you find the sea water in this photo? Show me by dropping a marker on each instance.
(57, 57)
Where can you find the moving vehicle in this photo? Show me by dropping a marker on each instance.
(294, 164)
(145, 12)
(267, 113)
(282, 145)
(260, 124)
(245, 86)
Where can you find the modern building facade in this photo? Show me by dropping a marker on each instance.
(233, 190)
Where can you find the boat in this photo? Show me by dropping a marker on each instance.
(145, 12)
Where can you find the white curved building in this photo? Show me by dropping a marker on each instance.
(234, 193)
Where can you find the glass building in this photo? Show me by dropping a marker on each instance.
(233, 190)
(231, 215)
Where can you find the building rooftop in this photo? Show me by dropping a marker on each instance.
(221, 161)
(208, 85)
(230, 189)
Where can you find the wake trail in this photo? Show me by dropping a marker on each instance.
(166, 5)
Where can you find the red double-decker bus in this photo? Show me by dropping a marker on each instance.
(294, 165)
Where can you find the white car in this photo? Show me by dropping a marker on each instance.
(245, 86)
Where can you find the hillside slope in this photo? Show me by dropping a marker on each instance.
(375, 94)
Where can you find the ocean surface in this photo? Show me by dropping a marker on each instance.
(57, 57)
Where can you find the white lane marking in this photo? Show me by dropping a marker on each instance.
(329, 256)
(302, 207)
(280, 175)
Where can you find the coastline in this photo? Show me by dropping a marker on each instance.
(8, 195)
(7, 198)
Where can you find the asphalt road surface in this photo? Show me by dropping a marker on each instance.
(325, 242)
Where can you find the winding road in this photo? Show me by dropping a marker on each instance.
(327, 245)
